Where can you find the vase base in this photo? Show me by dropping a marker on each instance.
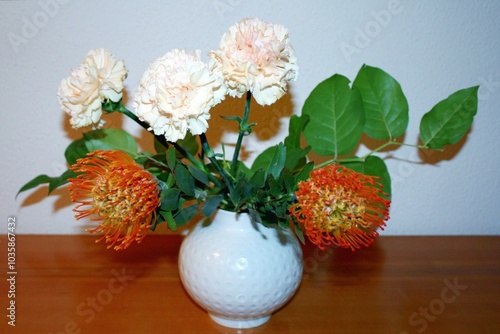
(240, 323)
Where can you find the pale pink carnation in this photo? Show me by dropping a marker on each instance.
(98, 78)
(257, 57)
(176, 94)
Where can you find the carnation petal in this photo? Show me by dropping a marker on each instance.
(176, 93)
(255, 56)
(99, 77)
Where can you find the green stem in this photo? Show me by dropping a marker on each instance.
(363, 158)
(211, 156)
(243, 132)
(166, 144)
(381, 147)
(161, 139)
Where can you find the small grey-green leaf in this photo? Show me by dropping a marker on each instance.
(169, 218)
(186, 214)
(184, 180)
(211, 205)
(170, 199)
(278, 161)
(171, 158)
(198, 174)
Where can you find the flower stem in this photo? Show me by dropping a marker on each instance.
(211, 156)
(363, 158)
(161, 139)
(244, 130)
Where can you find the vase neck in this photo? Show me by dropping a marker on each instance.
(230, 218)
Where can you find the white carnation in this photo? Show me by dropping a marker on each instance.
(176, 94)
(98, 78)
(257, 57)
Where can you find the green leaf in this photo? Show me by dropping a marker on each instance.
(169, 218)
(335, 117)
(296, 157)
(278, 161)
(232, 118)
(211, 205)
(299, 233)
(186, 214)
(40, 179)
(449, 120)
(258, 179)
(254, 214)
(159, 147)
(385, 105)
(263, 160)
(102, 139)
(171, 158)
(198, 174)
(241, 192)
(288, 181)
(143, 158)
(76, 150)
(272, 160)
(157, 161)
(373, 166)
(170, 199)
(304, 172)
(189, 143)
(295, 128)
(275, 189)
(111, 139)
(56, 182)
(184, 180)
(167, 178)
(242, 168)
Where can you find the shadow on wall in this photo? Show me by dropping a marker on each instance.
(268, 118)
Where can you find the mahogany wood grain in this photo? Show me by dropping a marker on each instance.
(69, 284)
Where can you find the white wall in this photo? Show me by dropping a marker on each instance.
(432, 48)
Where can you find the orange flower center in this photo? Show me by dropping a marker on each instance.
(337, 205)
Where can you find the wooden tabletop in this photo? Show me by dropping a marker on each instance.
(69, 284)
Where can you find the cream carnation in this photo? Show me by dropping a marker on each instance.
(257, 57)
(98, 78)
(176, 93)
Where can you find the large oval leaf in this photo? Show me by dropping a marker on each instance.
(449, 120)
(110, 139)
(335, 117)
(76, 150)
(385, 105)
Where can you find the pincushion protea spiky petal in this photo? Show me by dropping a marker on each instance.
(339, 206)
(120, 194)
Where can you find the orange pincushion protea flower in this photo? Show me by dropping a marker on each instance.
(339, 206)
(116, 191)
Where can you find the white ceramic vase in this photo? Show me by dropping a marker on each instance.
(240, 272)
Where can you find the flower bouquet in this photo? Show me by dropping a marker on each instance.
(342, 201)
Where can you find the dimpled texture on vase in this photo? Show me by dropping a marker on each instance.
(239, 271)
